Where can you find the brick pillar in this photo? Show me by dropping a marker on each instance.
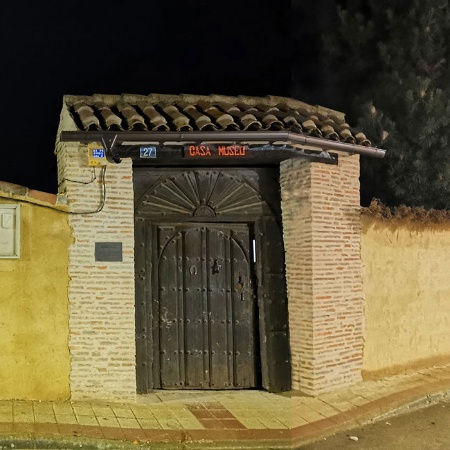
(101, 294)
(321, 226)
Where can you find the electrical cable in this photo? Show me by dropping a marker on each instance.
(102, 201)
(94, 177)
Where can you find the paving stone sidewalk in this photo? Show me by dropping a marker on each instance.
(216, 419)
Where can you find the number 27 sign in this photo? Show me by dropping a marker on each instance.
(147, 152)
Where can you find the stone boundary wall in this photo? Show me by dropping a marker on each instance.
(406, 284)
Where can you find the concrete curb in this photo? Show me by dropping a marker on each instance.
(415, 405)
(19, 443)
(363, 416)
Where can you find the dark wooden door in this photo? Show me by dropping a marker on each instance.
(206, 306)
(210, 213)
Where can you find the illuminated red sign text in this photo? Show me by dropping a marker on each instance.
(215, 151)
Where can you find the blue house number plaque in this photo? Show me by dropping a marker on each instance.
(147, 152)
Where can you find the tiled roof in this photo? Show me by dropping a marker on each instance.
(183, 113)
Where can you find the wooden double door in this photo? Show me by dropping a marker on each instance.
(206, 318)
(211, 303)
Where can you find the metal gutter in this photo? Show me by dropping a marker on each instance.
(112, 139)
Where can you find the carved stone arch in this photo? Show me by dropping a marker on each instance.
(200, 195)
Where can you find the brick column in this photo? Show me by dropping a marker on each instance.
(101, 294)
(321, 226)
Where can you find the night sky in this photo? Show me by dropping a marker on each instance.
(246, 47)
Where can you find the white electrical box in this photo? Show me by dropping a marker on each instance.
(9, 231)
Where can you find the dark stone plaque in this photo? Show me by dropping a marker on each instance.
(108, 251)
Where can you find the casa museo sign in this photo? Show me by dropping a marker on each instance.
(215, 151)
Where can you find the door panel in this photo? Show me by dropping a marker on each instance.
(206, 307)
(272, 298)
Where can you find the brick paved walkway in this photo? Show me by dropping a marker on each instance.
(252, 418)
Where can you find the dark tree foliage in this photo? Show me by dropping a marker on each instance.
(390, 62)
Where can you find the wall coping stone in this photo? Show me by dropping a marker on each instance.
(24, 194)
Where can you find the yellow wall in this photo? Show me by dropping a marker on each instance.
(34, 354)
(406, 282)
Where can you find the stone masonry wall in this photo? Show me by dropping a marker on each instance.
(101, 294)
(321, 225)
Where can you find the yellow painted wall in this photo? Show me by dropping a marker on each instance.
(34, 331)
(406, 282)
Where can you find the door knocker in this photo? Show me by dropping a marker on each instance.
(216, 266)
(240, 286)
